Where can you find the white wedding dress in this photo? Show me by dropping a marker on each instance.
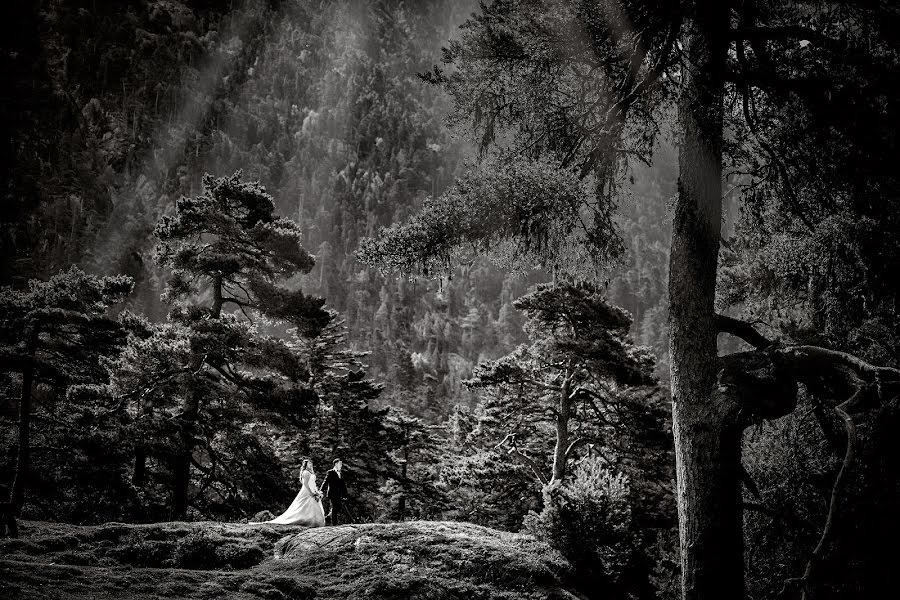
(306, 509)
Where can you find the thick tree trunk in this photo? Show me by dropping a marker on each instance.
(139, 476)
(182, 466)
(17, 494)
(182, 480)
(138, 480)
(13, 508)
(707, 449)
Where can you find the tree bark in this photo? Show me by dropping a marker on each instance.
(218, 300)
(403, 470)
(562, 431)
(17, 493)
(23, 459)
(139, 476)
(140, 467)
(707, 449)
(182, 466)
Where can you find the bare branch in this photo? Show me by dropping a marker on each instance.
(844, 410)
(523, 458)
(578, 442)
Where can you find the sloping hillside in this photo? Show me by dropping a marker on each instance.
(420, 559)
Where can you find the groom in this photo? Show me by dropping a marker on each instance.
(335, 490)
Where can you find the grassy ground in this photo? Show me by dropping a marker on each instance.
(418, 560)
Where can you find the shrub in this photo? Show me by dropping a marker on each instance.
(588, 519)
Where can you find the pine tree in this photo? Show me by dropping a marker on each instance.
(412, 489)
(564, 390)
(228, 246)
(57, 333)
(347, 424)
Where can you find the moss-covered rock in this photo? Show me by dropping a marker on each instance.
(416, 560)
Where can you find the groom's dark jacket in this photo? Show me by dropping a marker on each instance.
(333, 487)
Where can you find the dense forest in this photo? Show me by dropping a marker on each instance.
(484, 253)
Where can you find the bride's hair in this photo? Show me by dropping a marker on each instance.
(305, 465)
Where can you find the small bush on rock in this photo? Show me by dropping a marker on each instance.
(588, 519)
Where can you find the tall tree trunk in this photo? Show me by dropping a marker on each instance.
(189, 414)
(182, 466)
(216, 308)
(707, 450)
(138, 479)
(402, 504)
(139, 476)
(563, 415)
(17, 493)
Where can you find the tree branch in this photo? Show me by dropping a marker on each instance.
(784, 32)
(743, 330)
(526, 460)
(578, 442)
(844, 410)
(541, 384)
(812, 359)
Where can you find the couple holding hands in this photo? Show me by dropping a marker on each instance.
(306, 509)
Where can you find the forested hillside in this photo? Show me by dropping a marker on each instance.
(132, 102)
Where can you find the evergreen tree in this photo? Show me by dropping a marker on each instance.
(569, 374)
(347, 424)
(56, 333)
(412, 491)
(227, 244)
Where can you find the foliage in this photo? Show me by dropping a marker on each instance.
(413, 492)
(812, 258)
(482, 484)
(124, 106)
(67, 320)
(57, 343)
(346, 423)
(588, 519)
(575, 373)
(230, 238)
(560, 79)
(524, 214)
(817, 242)
(793, 463)
(580, 389)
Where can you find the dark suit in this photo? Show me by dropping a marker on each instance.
(335, 490)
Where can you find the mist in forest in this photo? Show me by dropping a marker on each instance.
(582, 273)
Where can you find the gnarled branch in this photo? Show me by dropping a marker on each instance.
(743, 330)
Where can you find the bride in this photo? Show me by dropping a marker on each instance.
(306, 509)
